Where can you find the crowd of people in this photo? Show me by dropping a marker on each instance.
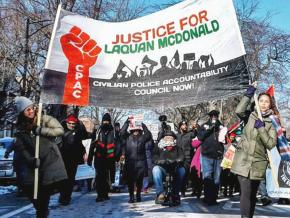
(192, 157)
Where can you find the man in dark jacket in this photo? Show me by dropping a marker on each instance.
(184, 138)
(103, 149)
(73, 153)
(211, 156)
(135, 157)
(166, 152)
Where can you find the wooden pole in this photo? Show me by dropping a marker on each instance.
(36, 171)
(52, 36)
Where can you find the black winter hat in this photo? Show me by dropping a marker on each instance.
(214, 113)
(181, 123)
(107, 117)
(169, 133)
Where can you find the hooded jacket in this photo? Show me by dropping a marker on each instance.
(251, 159)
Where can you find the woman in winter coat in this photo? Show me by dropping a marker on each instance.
(251, 160)
(50, 164)
(135, 158)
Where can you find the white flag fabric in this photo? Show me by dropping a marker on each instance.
(189, 53)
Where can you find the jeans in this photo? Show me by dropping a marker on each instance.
(211, 172)
(211, 169)
(159, 174)
(263, 189)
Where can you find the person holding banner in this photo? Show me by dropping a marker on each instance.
(50, 163)
(135, 157)
(73, 153)
(103, 149)
(251, 160)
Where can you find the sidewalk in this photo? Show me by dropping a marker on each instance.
(84, 205)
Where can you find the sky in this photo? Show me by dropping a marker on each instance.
(280, 10)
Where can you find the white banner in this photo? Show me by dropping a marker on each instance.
(188, 53)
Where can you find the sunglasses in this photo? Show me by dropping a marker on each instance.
(72, 124)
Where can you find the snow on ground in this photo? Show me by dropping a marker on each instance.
(7, 189)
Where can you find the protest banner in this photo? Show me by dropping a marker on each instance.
(189, 53)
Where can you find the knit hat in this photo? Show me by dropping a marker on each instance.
(71, 118)
(169, 133)
(214, 113)
(106, 117)
(181, 123)
(22, 103)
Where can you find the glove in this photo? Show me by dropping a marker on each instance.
(250, 91)
(89, 163)
(6, 155)
(36, 163)
(36, 130)
(259, 124)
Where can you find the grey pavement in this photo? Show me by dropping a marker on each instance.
(84, 205)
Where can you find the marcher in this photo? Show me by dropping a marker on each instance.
(103, 149)
(135, 157)
(212, 151)
(73, 153)
(195, 169)
(184, 138)
(228, 179)
(250, 160)
(50, 163)
(148, 181)
(167, 151)
(265, 198)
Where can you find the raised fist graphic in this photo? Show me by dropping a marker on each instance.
(79, 48)
(82, 53)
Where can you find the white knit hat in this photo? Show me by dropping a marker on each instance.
(22, 103)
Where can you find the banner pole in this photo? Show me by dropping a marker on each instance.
(36, 171)
(52, 36)
(274, 174)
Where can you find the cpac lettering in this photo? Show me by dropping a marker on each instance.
(77, 88)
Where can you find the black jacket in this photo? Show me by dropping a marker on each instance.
(160, 155)
(210, 146)
(135, 150)
(51, 168)
(105, 147)
(72, 149)
(184, 142)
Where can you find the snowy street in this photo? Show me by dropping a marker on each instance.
(83, 205)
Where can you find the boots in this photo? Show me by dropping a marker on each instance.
(210, 192)
(138, 197)
(131, 198)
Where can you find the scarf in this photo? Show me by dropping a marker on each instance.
(267, 113)
(283, 145)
